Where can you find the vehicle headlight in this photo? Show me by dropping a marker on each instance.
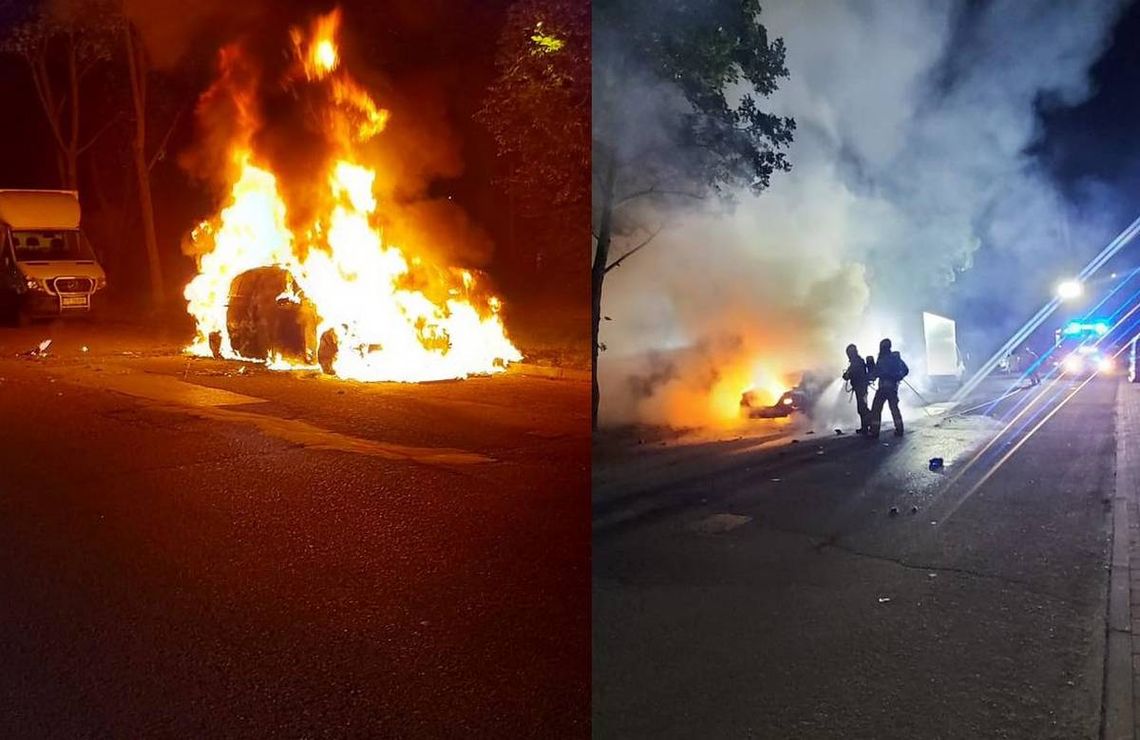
(100, 283)
(1106, 365)
(34, 284)
(1073, 364)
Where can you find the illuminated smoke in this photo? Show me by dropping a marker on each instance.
(914, 122)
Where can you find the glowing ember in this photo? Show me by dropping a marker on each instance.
(388, 315)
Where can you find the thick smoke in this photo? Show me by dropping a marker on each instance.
(419, 147)
(915, 125)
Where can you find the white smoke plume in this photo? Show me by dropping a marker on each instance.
(915, 123)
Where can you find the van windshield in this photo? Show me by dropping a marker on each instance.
(49, 245)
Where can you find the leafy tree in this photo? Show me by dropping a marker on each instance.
(675, 115)
(537, 111)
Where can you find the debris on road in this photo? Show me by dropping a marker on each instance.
(894, 511)
(838, 432)
(40, 350)
(936, 463)
(913, 509)
(83, 348)
(884, 599)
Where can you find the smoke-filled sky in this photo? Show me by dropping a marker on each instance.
(916, 185)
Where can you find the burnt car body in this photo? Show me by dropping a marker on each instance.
(268, 316)
(790, 402)
(799, 399)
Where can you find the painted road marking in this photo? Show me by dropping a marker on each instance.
(172, 394)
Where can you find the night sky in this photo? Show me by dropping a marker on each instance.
(1093, 154)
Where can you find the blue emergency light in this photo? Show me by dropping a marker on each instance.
(1073, 328)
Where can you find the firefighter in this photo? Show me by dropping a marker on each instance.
(889, 371)
(859, 377)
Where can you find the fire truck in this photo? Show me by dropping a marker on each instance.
(1082, 349)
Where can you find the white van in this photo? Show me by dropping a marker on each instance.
(47, 266)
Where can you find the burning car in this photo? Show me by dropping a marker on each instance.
(295, 268)
(268, 318)
(752, 407)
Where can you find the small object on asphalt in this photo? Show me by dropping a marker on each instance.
(775, 480)
(241, 370)
(39, 350)
(838, 432)
(931, 575)
(894, 511)
(933, 524)
(884, 599)
(914, 510)
(795, 441)
(936, 463)
(810, 431)
(819, 452)
(83, 348)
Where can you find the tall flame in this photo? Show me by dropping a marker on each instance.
(393, 317)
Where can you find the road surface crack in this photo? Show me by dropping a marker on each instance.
(1015, 582)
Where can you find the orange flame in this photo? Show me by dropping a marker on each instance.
(393, 316)
(317, 52)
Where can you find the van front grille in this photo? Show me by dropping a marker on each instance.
(73, 285)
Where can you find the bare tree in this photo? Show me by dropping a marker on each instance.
(62, 44)
(138, 66)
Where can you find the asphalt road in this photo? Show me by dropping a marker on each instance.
(769, 591)
(192, 548)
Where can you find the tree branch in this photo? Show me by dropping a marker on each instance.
(654, 190)
(158, 153)
(635, 250)
(43, 90)
(99, 133)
